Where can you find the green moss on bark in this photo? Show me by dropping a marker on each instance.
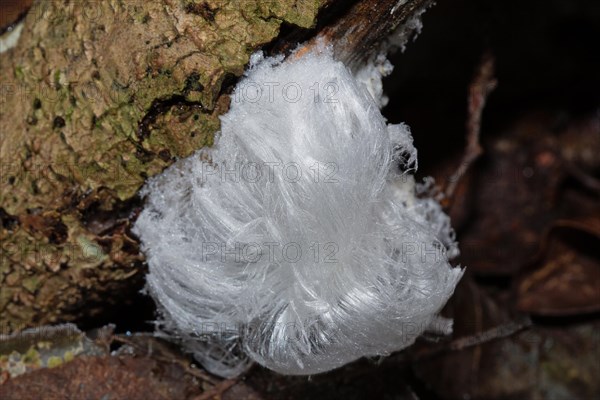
(97, 97)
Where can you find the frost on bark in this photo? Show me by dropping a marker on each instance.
(100, 95)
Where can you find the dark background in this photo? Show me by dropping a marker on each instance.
(527, 214)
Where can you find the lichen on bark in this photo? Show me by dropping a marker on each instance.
(97, 97)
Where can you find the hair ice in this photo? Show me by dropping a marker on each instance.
(298, 241)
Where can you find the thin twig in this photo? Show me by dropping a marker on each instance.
(482, 85)
(187, 367)
(216, 390)
(497, 332)
(587, 180)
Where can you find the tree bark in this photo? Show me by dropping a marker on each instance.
(100, 95)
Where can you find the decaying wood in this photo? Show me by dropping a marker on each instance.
(100, 95)
(360, 33)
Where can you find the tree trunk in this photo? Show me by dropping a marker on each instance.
(100, 95)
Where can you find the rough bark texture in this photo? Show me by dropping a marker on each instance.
(97, 97)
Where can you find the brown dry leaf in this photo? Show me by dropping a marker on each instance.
(122, 377)
(529, 178)
(536, 363)
(47, 347)
(566, 279)
(513, 192)
(144, 367)
(541, 363)
(456, 373)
